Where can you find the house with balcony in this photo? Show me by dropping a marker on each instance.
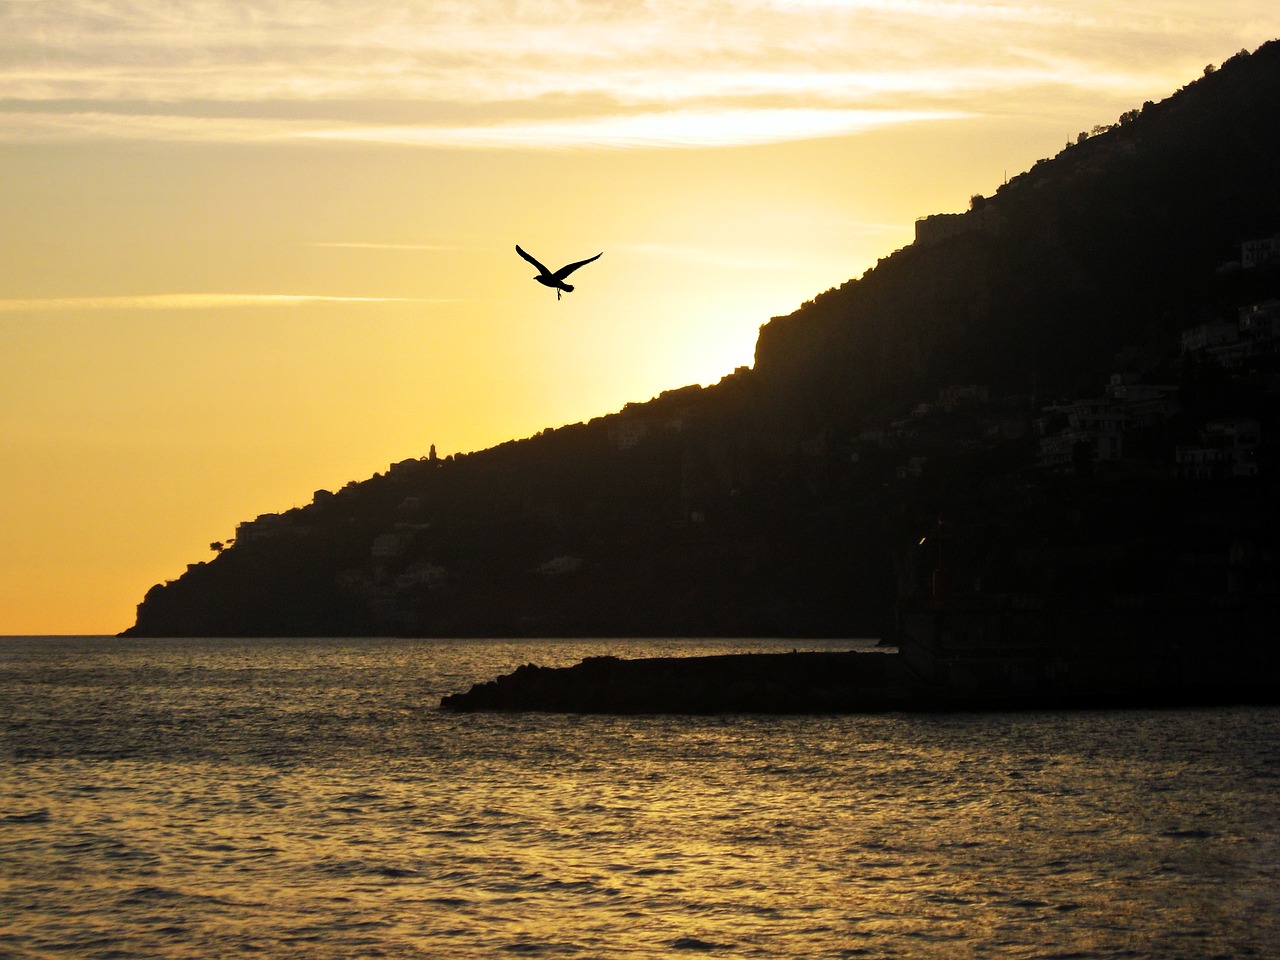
(429, 575)
(1226, 448)
(559, 565)
(1096, 425)
(1257, 253)
(1207, 336)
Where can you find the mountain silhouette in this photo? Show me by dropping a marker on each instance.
(965, 376)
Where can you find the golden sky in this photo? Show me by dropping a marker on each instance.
(253, 250)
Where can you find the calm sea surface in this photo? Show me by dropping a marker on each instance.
(305, 798)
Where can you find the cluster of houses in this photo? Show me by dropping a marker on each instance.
(1095, 429)
(1225, 446)
(1104, 430)
(1254, 336)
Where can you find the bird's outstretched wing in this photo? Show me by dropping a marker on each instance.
(541, 269)
(569, 268)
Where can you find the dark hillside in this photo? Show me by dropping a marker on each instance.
(1111, 244)
(1021, 370)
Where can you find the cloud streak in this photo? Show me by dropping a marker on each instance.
(189, 301)
(657, 129)
(351, 245)
(686, 128)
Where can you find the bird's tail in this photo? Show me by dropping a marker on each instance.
(566, 287)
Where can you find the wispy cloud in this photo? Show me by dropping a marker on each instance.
(64, 126)
(189, 301)
(700, 255)
(501, 74)
(345, 245)
(713, 256)
(398, 247)
(670, 128)
(952, 10)
(677, 128)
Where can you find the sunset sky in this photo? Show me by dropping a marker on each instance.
(250, 250)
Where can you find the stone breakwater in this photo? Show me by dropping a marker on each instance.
(736, 683)
(845, 682)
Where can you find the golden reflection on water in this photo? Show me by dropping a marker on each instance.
(314, 809)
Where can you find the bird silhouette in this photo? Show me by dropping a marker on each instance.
(556, 280)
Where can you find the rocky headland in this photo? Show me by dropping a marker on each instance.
(1080, 374)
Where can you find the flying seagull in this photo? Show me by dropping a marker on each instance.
(556, 280)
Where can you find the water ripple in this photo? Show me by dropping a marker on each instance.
(294, 799)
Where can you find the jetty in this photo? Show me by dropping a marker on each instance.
(861, 682)
(841, 682)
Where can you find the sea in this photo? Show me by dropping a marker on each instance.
(307, 798)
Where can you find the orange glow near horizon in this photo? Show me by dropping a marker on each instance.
(228, 280)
